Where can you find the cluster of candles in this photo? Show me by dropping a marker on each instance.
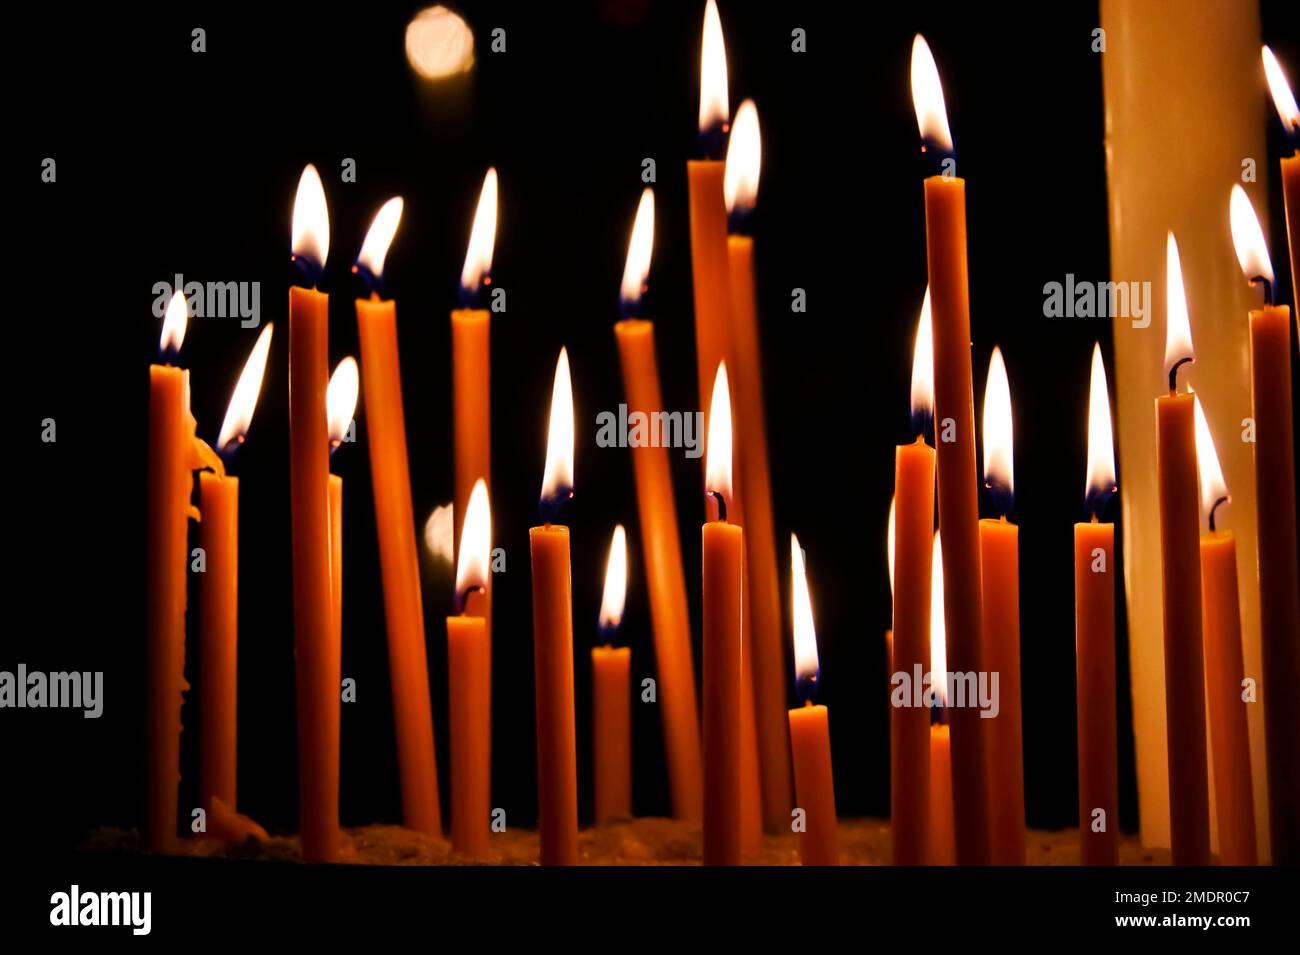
(957, 780)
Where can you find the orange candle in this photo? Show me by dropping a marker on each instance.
(669, 616)
(1224, 670)
(1000, 575)
(945, 229)
(1094, 640)
(1284, 100)
(1270, 378)
(942, 845)
(468, 680)
(395, 525)
(1189, 809)
(912, 530)
(557, 773)
(611, 694)
(219, 593)
(724, 548)
(810, 739)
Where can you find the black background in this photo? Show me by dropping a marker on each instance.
(171, 161)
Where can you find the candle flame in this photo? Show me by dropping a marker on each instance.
(557, 480)
(938, 626)
(1213, 486)
(927, 96)
(744, 160)
(1278, 86)
(640, 248)
(380, 236)
(714, 108)
(923, 364)
(615, 593)
(1178, 327)
(341, 399)
(806, 664)
(889, 538)
(998, 467)
(1248, 238)
(474, 561)
(311, 219)
(440, 532)
(175, 319)
(482, 237)
(239, 413)
(717, 457)
(1101, 443)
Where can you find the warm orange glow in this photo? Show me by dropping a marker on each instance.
(239, 413)
(482, 237)
(557, 479)
(380, 236)
(1248, 238)
(923, 363)
(439, 43)
(1178, 328)
(473, 564)
(717, 453)
(805, 633)
(440, 533)
(889, 536)
(744, 160)
(927, 96)
(341, 399)
(938, 626)
(615, 593)
(640, 248)
(175, 319)
(1213, 486)
(1278, 86)
(1101, 443)
(714, 108)
(998, 467)
(311, 219)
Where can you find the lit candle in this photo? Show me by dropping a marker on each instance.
(1189, 810)
(1000, 574)
(810, 738)
(395, 525)
(611, 694)
(942, 841)
(1287, 111)
(911, 545)
(1270, 380)
(661, 548)
(945, 229)
(724, 549)
(1094, 639)
(557, 774)
(340, 406)
(1224, 670)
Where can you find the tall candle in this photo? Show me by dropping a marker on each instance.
(945, 229)
(1287, 111)
(661, 547)
(942, 843)
(557, 774)
(611, 694)
(395, 525)
(1094, 639)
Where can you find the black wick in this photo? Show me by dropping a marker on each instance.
(465, 594)
(1268, 287)
(1223, 500)
(1173, 374)
(722, 504)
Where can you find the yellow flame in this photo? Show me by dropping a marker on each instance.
(380, 236)
(889, 536)
(1283, 98)
(439, 43)
(483, 235)
(1213, 485)
(175, 319)
(717, 457)
(998, 465)
(744, 159)
(714, 108)
(805, 633)
(927, 96)
(341, 399)
(558, 475)
(640, 247)
(1101, 442)
(923, 361)
(239, 413)
(1178, 327)
(938, 626)
(311, 219)
(472, 566)
(1248, 237)
(615, 593)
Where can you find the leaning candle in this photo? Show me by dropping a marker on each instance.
(724, 549)
(1221, 618)
(395, 525)
(1279, 578)
(557, 774)
(611, 694)
(661, 548)
(219, 592)
(945, 229)
(1189, 810)
(810, 738)
(1000, 574)
(1287, 111)
(911, 550)
(1094, 639)
(942, 847)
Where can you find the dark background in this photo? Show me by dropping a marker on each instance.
(170, 161)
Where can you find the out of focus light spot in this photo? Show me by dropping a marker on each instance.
(439, 43)
(440, 532)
